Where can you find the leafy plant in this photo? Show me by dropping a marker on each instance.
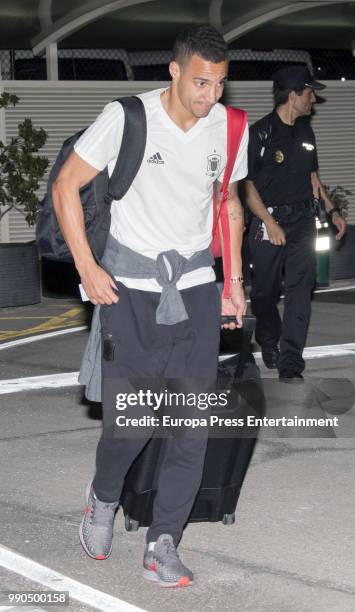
(20, 168)
(339, 197)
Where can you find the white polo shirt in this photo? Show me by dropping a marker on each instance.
(169, 204)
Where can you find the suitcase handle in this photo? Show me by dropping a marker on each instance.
(249, 322)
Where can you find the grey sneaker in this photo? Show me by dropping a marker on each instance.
(164, 566)
(96, 528)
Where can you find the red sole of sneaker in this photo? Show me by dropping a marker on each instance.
(152, 578)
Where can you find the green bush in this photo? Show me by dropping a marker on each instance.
(21, 169)
(338, 196)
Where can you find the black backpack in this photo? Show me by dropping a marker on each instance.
(96, 197)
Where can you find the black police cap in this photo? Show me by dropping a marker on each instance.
(295, 77)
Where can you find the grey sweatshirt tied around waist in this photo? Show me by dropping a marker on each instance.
(119, 260)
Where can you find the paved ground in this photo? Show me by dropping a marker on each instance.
(292, 546)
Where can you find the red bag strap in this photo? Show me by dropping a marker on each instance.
(236, 122)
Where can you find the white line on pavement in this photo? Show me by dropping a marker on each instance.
(14, 343)
(70, 379)
(312, 352)
(332, 289)
(59, 582)
(30, 383)
(23, 608)
(332, 350)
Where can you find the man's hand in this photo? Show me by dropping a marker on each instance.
(275, 233)
(340, 224)
(235, 305)
(98, 285)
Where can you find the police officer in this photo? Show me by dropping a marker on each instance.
(280, 188)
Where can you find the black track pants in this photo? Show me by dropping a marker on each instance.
(182, 355)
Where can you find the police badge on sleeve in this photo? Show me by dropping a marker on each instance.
(213, 164)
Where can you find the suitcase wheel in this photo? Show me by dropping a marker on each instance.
(130, 524)
(228, 519)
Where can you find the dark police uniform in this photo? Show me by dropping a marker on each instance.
(281, 160)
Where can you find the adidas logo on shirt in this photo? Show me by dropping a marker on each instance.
(155, 159)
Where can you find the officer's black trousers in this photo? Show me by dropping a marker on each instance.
(295, 263)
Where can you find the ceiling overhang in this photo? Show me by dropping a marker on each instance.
(75, 20)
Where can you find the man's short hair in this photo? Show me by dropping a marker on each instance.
(281, 95)
(202, 40)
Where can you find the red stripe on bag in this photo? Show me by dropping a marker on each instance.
(236, 122)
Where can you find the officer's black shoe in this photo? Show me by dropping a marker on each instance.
(291, 378)
(270, 355)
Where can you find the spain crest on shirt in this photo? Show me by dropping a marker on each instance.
(213, 164)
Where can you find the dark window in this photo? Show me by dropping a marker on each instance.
(72, 69)
(30, 69)
(157, 72)
(255, 70)
(91, 69)
(333, 64)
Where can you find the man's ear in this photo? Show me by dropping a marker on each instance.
(174, 70)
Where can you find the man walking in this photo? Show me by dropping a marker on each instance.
(166, 327)
(282, 182)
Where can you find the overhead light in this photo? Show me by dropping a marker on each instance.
(343, 79)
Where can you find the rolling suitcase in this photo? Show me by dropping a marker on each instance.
(227, 459)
